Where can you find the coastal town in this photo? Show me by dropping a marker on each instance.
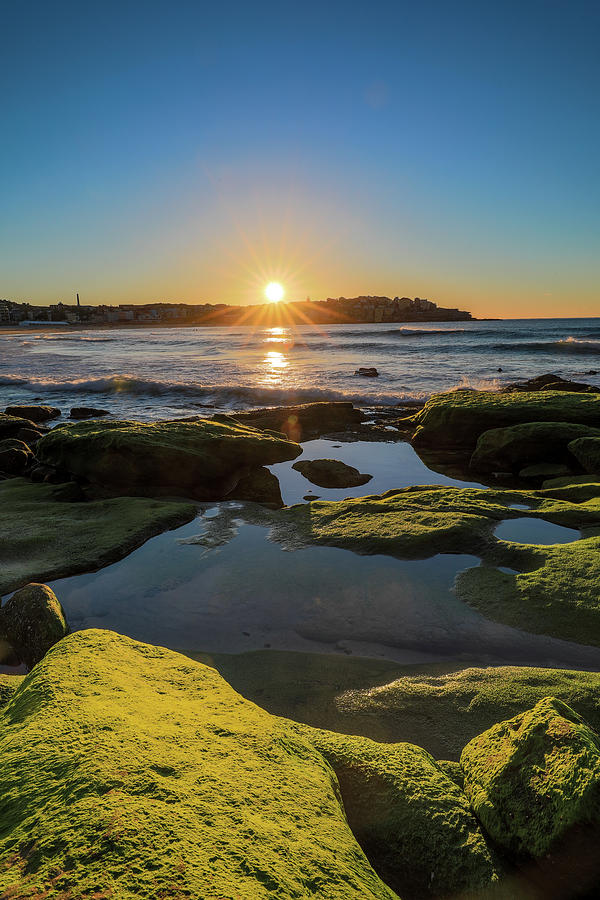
(339, 310)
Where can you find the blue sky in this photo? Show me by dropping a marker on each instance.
(188, 151)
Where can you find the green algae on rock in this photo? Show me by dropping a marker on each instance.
(11, 426)
(586, 451)
(330, 473)
(534, 777)
(559, 597)
(412, 820)
(443, 712)
(131, 771)
(527, 444)
(203, 458)
(42, 538)
(32, 621)
(455, 420)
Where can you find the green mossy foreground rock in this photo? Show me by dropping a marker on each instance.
(203, 458)
(12, 426)
(533, 778)
(32, 621)
(131, 771)
(42, 538)
(409, 816)
(586, 451)
(455, 420)
(528, 444)
(330, 473)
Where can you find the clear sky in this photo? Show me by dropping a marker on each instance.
(189, 151)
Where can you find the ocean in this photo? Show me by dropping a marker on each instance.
(166, 372)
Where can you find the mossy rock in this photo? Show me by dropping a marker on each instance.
(531, 443)
(412, 820)
(544, 471)
(455, 420)
(131, 771)
(330, 473)
(12, 426)
(42, 538)
(15, 456)
(586, 451)
(32, 621)
(34, 413)
(533, 778)
(204, 459)
(559, 597)
(421, 521)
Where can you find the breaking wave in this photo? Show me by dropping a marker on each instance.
(231, 396)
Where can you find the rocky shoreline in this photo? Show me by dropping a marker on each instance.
(236, 801)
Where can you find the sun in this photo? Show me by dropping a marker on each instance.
(274, 292)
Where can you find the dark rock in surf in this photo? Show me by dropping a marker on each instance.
(33, 413)
(367, 372)
(87, 412)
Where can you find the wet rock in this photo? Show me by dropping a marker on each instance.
(367, 372)
(33, 413)
(550, 382)
(32, 621)
(204, 459)
(259, 486)
(304, 422)
(527, 444)
(309, 497)
(87, 412)
(15, 456)
(586, 451)
(533, 778)
(330, 473)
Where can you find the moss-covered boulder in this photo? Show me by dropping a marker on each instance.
(131, 771)
(12, 427)
(32, 621)
(455, 420)
(586, 451)
(330, 473)
(412, 820)
(15, 456)
(42, 538)
(34, 413)
(530, 443)
(204, 458)
(533, 778)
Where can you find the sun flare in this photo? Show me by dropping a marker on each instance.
(274, 292)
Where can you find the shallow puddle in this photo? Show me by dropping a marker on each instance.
(249, 593)
(392, 465)
(535, 531)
